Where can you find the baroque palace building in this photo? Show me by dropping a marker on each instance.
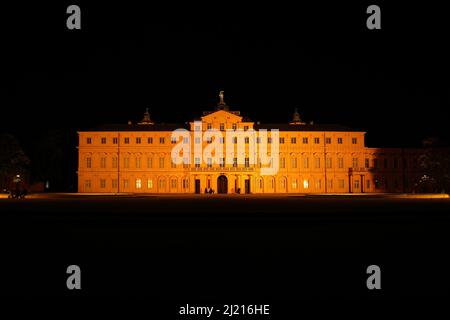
(313, 158)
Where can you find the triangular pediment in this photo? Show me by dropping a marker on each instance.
(221, 115)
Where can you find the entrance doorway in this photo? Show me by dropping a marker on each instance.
(247, 186)
(222, 184)
(197, 185)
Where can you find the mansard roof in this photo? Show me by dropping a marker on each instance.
(137, 127)
(304, 127)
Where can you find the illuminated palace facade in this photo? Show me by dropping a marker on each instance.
(313, 158)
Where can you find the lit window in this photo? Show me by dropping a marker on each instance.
(149, 184)
(294, 184)
(305, 184)
(318, 184)
(138, 183)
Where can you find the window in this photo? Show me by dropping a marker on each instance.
(197, 128)
(186, 140)
(209, 140)
(328, 161)
(138, 183)
(247, 162)
(375, 163)
(173, 140)
(126, 162)
(294, 163)
(185, 184)
(269, 140)
(376, 183)
(367, 184)
(161, 162)
(306, 162)
(222, 162)
(281, 140)
(138, 162)
(330, 183)
(173, 183)
(340, 163)
(197, 140)
(209, 162)
(149, 140)
(115, 140)
(305, 140)
(222, 140)
(89, 162)
(126, 140)
(162, 184)
(293, 140)
(103, 140)
(247, 140)
(282, 163)
(316, 140)
(354, 140)
(317, 163)
(222, 127)
(235, 162)
(234, 126)
(138, 140)
(114, 183)
(245, 128)
(339, 140)
(366, 163)
(102, 183)
(89, 140)
(319, 184)
(294, 183)
(328, 140)
(161, 140)
(395, 163)
(103, 162)
(355, 163)
(149, 184)
(356, 185)
(87, 184)
(341, 183)
(149, 162)
(235, 140)
(125, 184)
(305, 184)
(197, 162)
(114, 162)
(258, 140)
(209, 126)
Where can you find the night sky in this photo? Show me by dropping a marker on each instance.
(392, 83)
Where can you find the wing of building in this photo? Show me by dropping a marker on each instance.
(311, 158)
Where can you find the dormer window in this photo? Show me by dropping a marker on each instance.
(234, 126)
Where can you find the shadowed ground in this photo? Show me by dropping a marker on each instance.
(222, 247)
